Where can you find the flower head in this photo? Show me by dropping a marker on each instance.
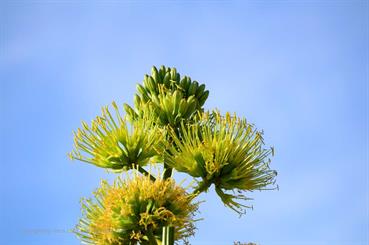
(135, 210)
(170, 98)
(111, 143)
(225, 151)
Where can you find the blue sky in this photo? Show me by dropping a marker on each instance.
(297, 69)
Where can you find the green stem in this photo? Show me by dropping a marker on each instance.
(203, 186)
(144, 172)
(168, 231)
(168, 235)
(167, 171)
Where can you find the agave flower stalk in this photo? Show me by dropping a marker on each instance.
(225, 151)
(167, 125)
(112, 143)
(134, 210)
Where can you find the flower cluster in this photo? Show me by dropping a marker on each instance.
(225, 151)
(167, 125)
(168, 97)
(135, 210)
(112, 143)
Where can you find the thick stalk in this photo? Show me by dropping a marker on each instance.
(168, 235)
(168, 231)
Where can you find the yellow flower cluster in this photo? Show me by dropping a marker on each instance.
(135, 210)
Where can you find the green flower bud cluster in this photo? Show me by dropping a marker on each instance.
(170, 98)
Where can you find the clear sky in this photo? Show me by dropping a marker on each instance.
(296, 69)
